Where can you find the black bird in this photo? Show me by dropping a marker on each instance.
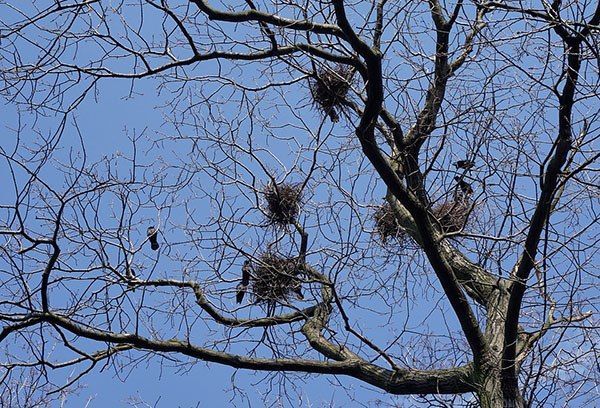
(243, 285)
(333, 115)
(465, 164)
(298, 291)
(130, 276)
(153, 237)
(464, 186)
(297, 288)
(130, 273)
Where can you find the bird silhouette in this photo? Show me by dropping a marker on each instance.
(130, 276)
(333, 115)
(153, 238)
(464, 186)
(298, 291)
(465, 164)
(243, 285)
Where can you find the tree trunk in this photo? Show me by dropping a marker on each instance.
(491, 393)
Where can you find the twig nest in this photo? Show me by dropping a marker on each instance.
(282, 202)
(452, 214)
(330, 87)
(275, 277)
(387, 225)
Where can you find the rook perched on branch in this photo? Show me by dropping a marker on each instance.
(153, 238)
(243, 285)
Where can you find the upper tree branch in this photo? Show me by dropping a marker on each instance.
(410, 147)
(431, 238)
(224, 320)
(549, 183)
(268, 18)
(103, 72)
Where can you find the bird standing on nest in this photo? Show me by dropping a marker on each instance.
(297, 289)
(464, 187)
(243, 285)
(153, 238)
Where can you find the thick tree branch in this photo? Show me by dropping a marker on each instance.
(443, 381)
(431, 238)
(561, 148)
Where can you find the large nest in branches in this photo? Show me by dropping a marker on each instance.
(275, 277)
(329, 88)
(282, 202)
(452, 214)
(387, 225)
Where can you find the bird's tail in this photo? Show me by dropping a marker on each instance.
(333, 115)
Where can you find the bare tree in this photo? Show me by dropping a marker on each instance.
(472, 281)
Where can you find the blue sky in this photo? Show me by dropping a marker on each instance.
(105, 123)
(118, 110)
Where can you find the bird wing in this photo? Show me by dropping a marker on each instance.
(246, 274)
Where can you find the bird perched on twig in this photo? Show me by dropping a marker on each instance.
(243, 285)
(465, 164)
(130, 276)
(153, 238)
(464, 186)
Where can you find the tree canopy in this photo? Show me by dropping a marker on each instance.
(405, 193)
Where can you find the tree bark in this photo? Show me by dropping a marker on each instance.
(492, 395)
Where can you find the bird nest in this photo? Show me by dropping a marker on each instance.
(275, 277)
(329, 88)
(282, 202)
(387, 225)
(453, 215)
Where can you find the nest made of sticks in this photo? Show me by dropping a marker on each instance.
(453, 215)
(275, 277)
(329, 88)
(283, 202)
(387, 225)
